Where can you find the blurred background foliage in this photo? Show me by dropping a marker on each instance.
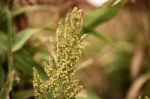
(116, 60)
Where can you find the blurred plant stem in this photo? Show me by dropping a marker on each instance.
(10, 77)
(10, 55)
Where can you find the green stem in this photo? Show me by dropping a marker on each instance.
(10, 77)
(10, 55)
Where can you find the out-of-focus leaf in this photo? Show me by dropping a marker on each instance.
(137, 85)
(26, 94)
(31, 9)
(87, 95)
(137, 61)
(40, 56)
(85, 63)
(21, 38)
(24, 62)
(2, 77)
(101, 15)
(91, 95)
(102, 38)
(3, 43)
(3, 18)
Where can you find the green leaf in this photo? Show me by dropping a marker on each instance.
(3, 43)
(84, 64)
(102, 38)
(2, 78)
(91, 95)
(101, 15)
(21, 38)
(3, 18)
(24, 61)
(88, 95)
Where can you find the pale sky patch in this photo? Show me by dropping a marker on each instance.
(98, 3)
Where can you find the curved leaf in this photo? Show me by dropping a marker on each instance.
(137, 85)
(21, 38)
(101, 15)
(103, 38)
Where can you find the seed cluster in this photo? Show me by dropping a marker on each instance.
(68, 49)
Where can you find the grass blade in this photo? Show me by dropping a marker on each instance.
(21, 38)
(101, 15)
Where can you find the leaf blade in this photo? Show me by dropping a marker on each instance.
(21, 38)
(101, 15)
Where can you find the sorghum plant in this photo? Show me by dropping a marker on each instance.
(61, 83)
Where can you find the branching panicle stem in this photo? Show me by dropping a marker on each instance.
(61, 83)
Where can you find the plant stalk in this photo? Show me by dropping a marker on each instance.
(10, 77)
